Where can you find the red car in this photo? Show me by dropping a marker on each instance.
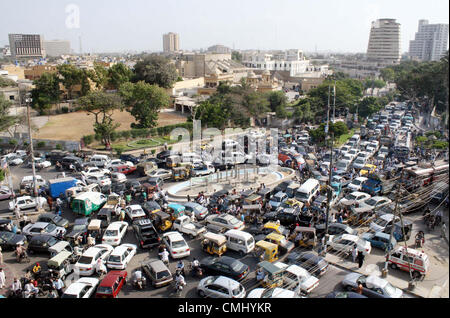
(124, 169)
(111, 285)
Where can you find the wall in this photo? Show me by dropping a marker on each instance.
(22, 137)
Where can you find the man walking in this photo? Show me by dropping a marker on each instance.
(58, 284)
(360, 259)
(2, 278)
(354, 253)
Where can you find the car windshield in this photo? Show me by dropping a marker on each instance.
(104, 290)
(341, 165)
(111, 233)
(114, 258)
(178, 244)
(238, 290)
(85, 260)
(79, 227)
(371, 202)
(50, 228)
(162, 274)
(277, 199)
(6, 235)
(351, 197)
(250, 241)
(359, 160)
(233, 221)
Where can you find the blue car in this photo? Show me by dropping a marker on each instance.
(380, 240)
(277, 200)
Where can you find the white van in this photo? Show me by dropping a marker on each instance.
(307, 192)
(100, 160)
(407, 259)
(355, 138)
(240, 241)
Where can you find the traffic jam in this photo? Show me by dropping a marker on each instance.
(178, 224)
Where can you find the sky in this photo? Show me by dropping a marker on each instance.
(138, 25)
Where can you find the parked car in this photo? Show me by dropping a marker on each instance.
(41, 243)
(82, 288)
(54, 219)
(380, 240)
(373, 286)
(220, 287)
(5, 193)
(345, 243)
(157, 272)
(9, 240)
(27, 202)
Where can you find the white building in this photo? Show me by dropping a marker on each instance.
(430, 42)
(221, 49)
(384, 42)
(57, 47)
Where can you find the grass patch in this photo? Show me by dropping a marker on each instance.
(343, 138)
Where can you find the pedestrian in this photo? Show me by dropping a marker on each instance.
(188, 198)
(360, 259)
(443, 231)
(2, 278)
(1, 256)
(122, 215)
(50, 202)
(164, 256)
(17, 212)
(354, 253)
(58, 284)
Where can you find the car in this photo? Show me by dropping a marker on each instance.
(72, 160)
(220, 287)
(146, 234)
(100, 179)
(353, 198)
(117, 163)
(227, 221)
(367, 169)
(199, 210)
(15, 161)
(80, 228)
(275, 292)
(134, 212)
(373, 286)
(82, 288)
(203, 169)
(298, 278)
(176, 245)
(111, 284)
(336, 229)
(85, 266)
(380, 240)
(156, 182)
(117, 177)
(161, 173)
(383, 221)
(373, 203)
(121, 256)
(5, 193)
(157, 272)
(41, 243)
(310, 261)
(359, 163)
(54, 219)
(38, 228)
(27, 202)
(9, 240)
(41, 163)
(88, 171)
(277, 200)
(114, 233)
(133, 184)
(338, 294)
(225, 266)
(345, 242)
(356, 184)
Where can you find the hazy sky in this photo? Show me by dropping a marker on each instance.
(124, 25)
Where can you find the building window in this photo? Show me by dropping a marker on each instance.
(11, 97)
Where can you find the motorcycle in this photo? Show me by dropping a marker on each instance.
(140, 283)
(431, 223)
(178, 288)
(420, 240)
(196, 271)
(22, 256)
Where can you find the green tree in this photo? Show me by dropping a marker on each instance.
(143, 102)
(99, 75)
(155, 70)
(5, 82)
(102, 105)
(6, 120)
(118, 74)
(212, 114)
(70, 76)
(387, 74)
(339, 128)
(46, 92)
(236, 56)
(368, 106)
(277, 100)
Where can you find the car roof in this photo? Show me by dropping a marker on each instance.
(226, 282)
(157, 265)
(111, 278)
(115, 225)
(119, 250)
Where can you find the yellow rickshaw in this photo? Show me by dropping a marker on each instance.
(269, 275)
(253, 199)
(180, 173)
(251, 212)
(161, 220)
(173, 161)
(266, 251)
(214, 243)
(307, 239)
(277, 227)
(284, 246)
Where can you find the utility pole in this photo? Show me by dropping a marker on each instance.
(334, 102)
(28, 100)
(329, 188)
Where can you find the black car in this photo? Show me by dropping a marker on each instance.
(80, 227)
(41, 243)
(9, 240)
(133, 185)
(150, 206)
(282, 186)
(118, 187)
(311, 261)
(146, 233)
(105, 215)
(221, 165)
(54, 219)
(76, 161)
(131, 158)
(56, 155)
(288, 216)
(166, 153)
(225, 266)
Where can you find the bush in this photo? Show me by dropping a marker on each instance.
(119, 150)
(2, 175)
(89, 139)
(114, 136)
(126, 134)
(59, 147)
(64, 109)
(41, 144)
(170, 148)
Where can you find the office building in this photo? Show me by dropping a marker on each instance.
(57, 47)
(430, 42)
(220, 49)
(171, 42)
(26, 46)
(384, 42)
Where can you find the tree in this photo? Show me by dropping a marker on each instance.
(143, 101)
(46, 92)
(387, 74)
(6, 120)
(102, 105)
(236, 56)
(99, 75)
(155, 70)
(277, 100)
(212, 114)
(368, 106)
(70, 76)
(5, 82)
(339, 128)
(118, 74)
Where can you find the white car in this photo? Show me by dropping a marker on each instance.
(220, 287)
(380, 157)
(272, 293)
(94, 171)
(15, 161)
(118, 177)
(86, 264)
(176, 245)
(41, 163)
(38, 228)
(121, 256)
(359, 163)
(227, 221)
(82, 288)
(297, 278)
(373, 286)
(114, 233)
(26, 202)
(345, 242)
(100, 179)
(357, 183)
(134, 212)
(161, 173)
(373, 203)
(353, 198)
(203, 170)
(29, 179)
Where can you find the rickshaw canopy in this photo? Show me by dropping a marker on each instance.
(215, 238)
(59, 258)
(270, 268)
(94, 225)
(58, 247)
(304, 229)
(266, 245)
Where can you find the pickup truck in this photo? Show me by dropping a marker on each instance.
(183, 224)
(203, 170)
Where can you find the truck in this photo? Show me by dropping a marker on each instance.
(58, 186)
(376, 186)
(183, 224)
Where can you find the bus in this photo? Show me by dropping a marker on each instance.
(423, 175)
(402, 146)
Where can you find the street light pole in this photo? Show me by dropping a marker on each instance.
(28, 100)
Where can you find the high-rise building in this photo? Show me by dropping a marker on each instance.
(220, 49)
(384, 42)
(57, 47)
(430, 42)
(171, 42)
(26, 45)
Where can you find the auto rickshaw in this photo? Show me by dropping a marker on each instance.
(323, 181)
(180, 173)
(172, 161)
(145, 168)
(151, 207)
(277, 227)
(175, 210)
(213, 243)
(284, 246)
(60, 264)
(161, 220)
(253, 199)
(94, 229)
(307, 239)
(269, 275)
(266, 251)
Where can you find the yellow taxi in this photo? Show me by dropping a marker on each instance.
(368, 169)
(292, 203)
(277, 227)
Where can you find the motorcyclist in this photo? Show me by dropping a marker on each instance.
(164, 256)
(20, 252)
(16, 286)
(195, 265)
(30, 290)
(179, 282)
(180, 267)
(139, 279)
(420, 238)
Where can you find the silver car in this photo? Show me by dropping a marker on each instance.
(373, 286)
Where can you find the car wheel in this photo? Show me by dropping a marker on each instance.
(201, 293)
(394, 266)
